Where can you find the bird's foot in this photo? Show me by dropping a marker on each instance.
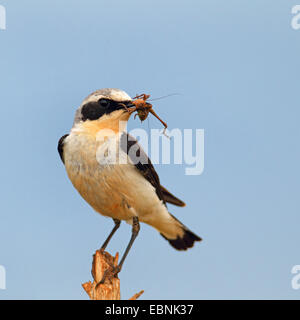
(109, 274)
(102, 250)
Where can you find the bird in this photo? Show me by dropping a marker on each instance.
(114, 180)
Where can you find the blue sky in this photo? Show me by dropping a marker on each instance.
(236, 66)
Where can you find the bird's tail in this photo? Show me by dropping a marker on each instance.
(184, 238)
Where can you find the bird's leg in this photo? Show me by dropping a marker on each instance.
(116, 227)
(135, 232)
(117, 269)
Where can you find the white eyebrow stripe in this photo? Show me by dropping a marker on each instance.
(109, 93)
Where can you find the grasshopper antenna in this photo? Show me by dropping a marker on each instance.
(168, 95)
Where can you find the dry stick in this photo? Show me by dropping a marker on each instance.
(137, 295)
(110, 289)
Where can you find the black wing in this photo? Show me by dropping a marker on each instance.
(130, 145)
(170, 198)
(60, 147)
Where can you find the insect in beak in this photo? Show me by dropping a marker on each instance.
(129, 107)
(143, 108)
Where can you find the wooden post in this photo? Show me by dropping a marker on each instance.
(110, 289)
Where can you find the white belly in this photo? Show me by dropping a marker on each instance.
(115, 190)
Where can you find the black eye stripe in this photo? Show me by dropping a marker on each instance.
(94, 110)
(104, 103)
(91, 111)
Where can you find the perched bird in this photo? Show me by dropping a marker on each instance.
(114, 175)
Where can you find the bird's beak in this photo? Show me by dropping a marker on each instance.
(129, 107)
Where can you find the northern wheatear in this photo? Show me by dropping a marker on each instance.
(114, 175)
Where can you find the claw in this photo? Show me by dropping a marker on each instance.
(109, 273)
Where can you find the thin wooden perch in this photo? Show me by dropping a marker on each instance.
(110, 289)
